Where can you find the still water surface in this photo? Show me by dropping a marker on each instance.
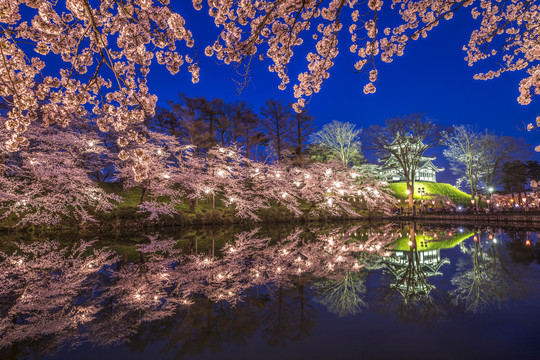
(346, 291)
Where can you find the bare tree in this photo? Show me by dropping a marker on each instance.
(188, 112)
(342, 139)
(302, 129)
(213, 112)
(276, 122)
(479, 157)
(465, 153)
(166, 121)
(245, 123)
(406, 139)
(497, 151)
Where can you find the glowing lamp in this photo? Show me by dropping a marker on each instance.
(527, 242)
(490, 236)
(410, 243)
(475, 238)
(449, 233)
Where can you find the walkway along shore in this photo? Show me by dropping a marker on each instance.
(514, 219)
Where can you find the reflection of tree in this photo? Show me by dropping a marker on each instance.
(483, 278)
(519, 249)
(410, 272)
(41, 286)
(279, 322)
(343, 297)
(51, 295)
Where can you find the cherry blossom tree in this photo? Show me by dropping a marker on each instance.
(49, 180)
(274, 30)
(105, 50)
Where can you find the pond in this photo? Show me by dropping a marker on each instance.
(347, 291)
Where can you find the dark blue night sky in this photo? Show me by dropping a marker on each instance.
(431, 78)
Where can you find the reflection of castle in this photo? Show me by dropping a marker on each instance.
(426, 257)
(412, 269)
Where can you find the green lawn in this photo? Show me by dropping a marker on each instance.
(457, 196)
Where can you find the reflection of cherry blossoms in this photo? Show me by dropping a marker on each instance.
(89, 295)
(47, 291)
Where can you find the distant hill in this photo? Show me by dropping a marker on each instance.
(457, 196)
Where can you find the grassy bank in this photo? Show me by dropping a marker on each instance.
(457, 196)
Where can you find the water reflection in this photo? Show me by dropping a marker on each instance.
(486, 276)
(196, 298)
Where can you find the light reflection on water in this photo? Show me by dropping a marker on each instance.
(300, 290)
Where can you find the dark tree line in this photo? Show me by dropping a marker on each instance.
(516, 176)
(274, 132)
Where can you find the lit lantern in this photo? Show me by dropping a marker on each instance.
(490, 236)
(475, 238)
(527, 242)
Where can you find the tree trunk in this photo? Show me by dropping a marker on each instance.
(3, 164)
(247, 144)
(143, 195)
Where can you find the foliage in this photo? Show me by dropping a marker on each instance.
(105, 50)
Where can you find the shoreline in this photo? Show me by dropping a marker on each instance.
(119, 224)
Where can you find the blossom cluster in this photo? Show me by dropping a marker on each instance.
(62, 174)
